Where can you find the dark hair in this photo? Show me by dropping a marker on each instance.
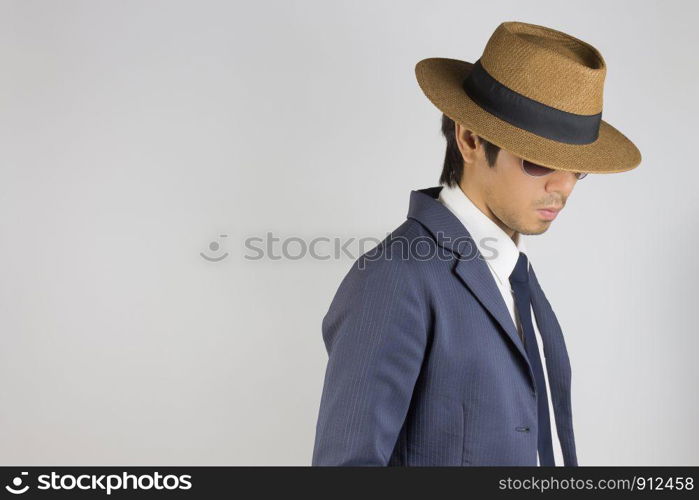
(453, 162)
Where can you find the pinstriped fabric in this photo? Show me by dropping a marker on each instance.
(375, 333)
(558, 367)
(425, 366)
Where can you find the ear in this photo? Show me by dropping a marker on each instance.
(467, 142)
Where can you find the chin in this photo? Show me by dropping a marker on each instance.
(540, 228)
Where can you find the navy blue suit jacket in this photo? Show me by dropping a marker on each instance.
(425, 364)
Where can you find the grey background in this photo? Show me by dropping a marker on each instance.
(134, 133)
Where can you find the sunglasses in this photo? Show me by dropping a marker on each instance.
(539, 171)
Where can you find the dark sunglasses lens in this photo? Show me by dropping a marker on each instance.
(534, 169)
(538, 170)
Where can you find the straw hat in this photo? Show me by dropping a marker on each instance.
(535, 92)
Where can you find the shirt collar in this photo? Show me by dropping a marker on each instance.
(499, 251)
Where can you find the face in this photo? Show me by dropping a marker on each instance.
(507, 194)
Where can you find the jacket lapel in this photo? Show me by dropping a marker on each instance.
(471, 267)
(477, 277)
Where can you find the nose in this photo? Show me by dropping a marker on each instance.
(561, 181)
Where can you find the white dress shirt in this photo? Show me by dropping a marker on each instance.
(501, 253)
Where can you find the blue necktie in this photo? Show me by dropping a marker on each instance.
(519, 279)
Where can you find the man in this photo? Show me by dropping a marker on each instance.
(443, 348)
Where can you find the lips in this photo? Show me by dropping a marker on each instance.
(549, 213)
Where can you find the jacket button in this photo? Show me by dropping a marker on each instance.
(522, 429)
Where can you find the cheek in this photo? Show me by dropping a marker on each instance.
(514, 193)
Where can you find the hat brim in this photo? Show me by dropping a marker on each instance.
(441, 80)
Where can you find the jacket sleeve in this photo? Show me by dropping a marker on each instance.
(375, 332)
